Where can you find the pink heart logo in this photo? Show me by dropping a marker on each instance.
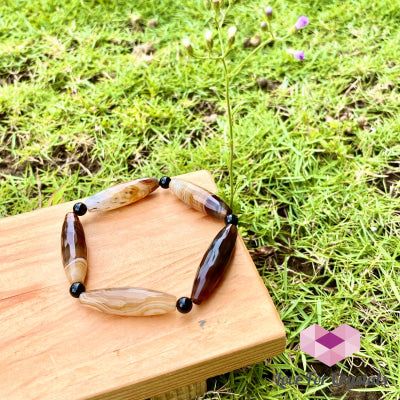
(330, 347)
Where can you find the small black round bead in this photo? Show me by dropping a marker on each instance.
(231, 219)
(184, 305)
(76, 289)
(80, 209)
(164, 182)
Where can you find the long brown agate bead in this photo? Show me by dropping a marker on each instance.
(199, 198)
(129, 301)
(214, 263)
(122, 194)
(73, 249)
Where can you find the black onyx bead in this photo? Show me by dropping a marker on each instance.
(80, 209)
(231, 219)
(76, 289)
(184, 305)
(164, 182)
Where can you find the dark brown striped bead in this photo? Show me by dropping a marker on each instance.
(214, 264)
(73, 249)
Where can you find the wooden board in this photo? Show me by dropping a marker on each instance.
(188, 392)
(53, 348)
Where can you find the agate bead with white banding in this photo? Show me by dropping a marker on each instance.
(129, 301)
(73, 249)
(199, 198)
(121, 195)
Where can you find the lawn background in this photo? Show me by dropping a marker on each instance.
(90, 98)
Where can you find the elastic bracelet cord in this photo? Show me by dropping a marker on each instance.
(134, 301)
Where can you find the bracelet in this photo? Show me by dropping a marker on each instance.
(133, 301)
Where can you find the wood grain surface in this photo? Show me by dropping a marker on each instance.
(53, 348)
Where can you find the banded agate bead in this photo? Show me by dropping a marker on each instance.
(200, 199)
(129, 301)
(122, 194)
(73, 249)
(214, 263)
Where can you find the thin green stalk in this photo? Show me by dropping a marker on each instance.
(224, 15)
(228, 76)
(262, 45)
(231, 147)
(228, 107)
(204, 58)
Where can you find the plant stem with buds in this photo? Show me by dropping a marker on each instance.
(219, 18)
(228, 75)
(230, 125)
(228, 107)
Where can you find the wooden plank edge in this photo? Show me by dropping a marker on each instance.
(188, 392)
(197, 373)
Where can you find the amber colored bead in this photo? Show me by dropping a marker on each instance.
(214, 263)
(121, 195)
(199, 198)
(129, 301)
(73, 249)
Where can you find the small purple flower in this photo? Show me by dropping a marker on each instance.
(268, 11)
(301, 22)
(298, 54)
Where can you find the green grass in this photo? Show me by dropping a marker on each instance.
(316, 159)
